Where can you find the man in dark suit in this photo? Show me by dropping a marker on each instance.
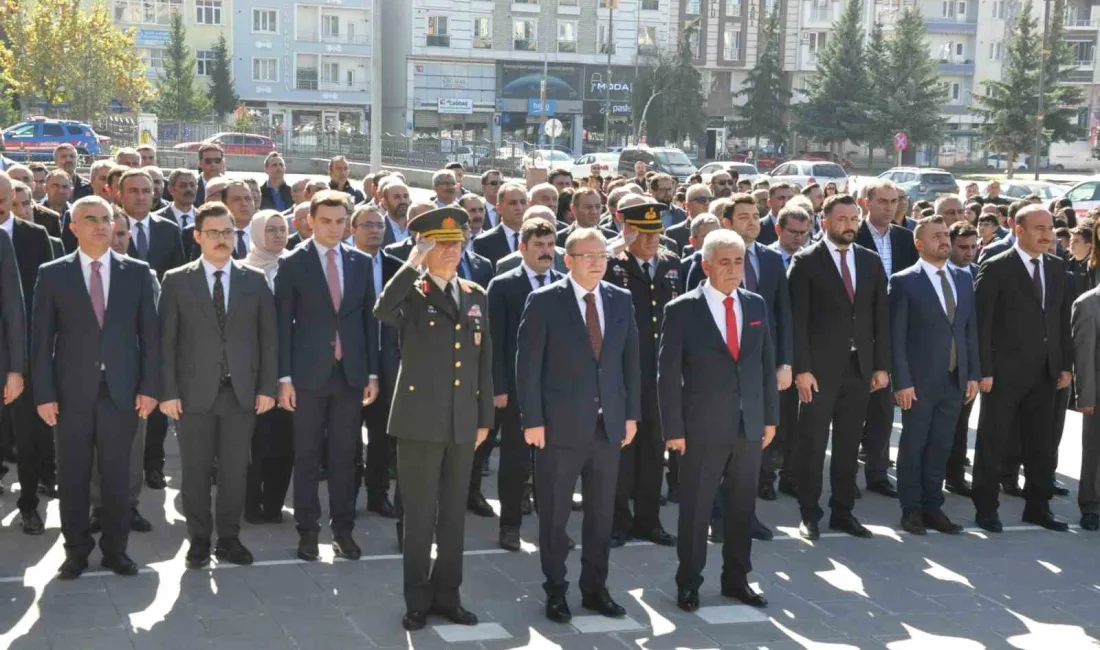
(275, 194)
(894, 245)
(586, 212)
(1004, 241)
(96, 360)
(579, 404)
(719, 408)
(398, 204)
(211, 166)
(507, 296)
(1026, 355)
(503, 239)
(65, 157)
(183, 184)
(841, 326)
(778, 195)
(328, 367)
(934, 334)
(697, 201)
(442, 408)
(218, 346)
(964, 247)
(13, 333)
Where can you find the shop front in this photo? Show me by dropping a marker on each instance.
(453, 102)
(522, 112)
(599, 87)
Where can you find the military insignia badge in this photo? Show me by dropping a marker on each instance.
(449, 223)
(673, 274)
(477, 339)
(651, 215)
(474, 311)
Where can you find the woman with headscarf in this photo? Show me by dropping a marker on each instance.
(273, 443)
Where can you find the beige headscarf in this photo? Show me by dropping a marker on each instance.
(258, 256)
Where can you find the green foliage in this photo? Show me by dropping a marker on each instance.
(221, 80)
(678, 112)
(178, 97)
(765, 89)
(911, 93)
(834, 109)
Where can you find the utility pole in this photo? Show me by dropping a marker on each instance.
(1039, 114)
(611, 4)
(376, 87)
(542, 90)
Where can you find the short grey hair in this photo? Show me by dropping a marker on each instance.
(539, 188)
(583, 234)
(701, 220)
(875, 184)
(800, 201)
(616, 195)
(180, 172)
(86, 202)
(721, 239)
(948, 197)
(511, 187)
(105, 163)
(540, 211)
(442, 175)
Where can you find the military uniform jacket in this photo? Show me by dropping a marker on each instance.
(650, 297)
(444, 387)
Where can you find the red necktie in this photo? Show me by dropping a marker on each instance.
(846, 274)
(731, 329)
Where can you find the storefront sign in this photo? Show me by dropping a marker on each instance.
(455, 106)
(458, 83)
(596, 83)
(152, 36)
(524, 80)
(535, 107)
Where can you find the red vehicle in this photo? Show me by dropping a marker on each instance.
(827, 156)
(245, 144)
(762, 161)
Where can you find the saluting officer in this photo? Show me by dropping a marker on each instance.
(652, 276)
(442, 408)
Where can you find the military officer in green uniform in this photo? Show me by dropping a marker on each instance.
(652, 276)
(442, 408)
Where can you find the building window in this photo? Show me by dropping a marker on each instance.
(524, 35)
(693, 45)
(769, 7)
(996, 50)
(204, 62)
(567, 36)
(816, 43)
(733, 8)
(153, 58)
(956, 92)
(567, 3)
(483, 33)
(1000, 9)
(731, 42)
(1084, 51)
(601, 40)
(651, 5)
(821, 11)
(526, 2)
(437, 32)
(265, 70)
(208, 12)
(330, 73)
(647, 39)
(691, 7)
(265, 21)
(146, 12)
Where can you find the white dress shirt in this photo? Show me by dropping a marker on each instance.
(146, 224)
(209, 270)
(510, 234)
(652, 265)
(376, 272)
(104, 272)
(933, 274)
(850, 258)
(183, 219)
(9, 226)
(247, 230)
(533, 277)
(442, 284)
(716, 304)
(1025, 259)
(580, 292)
(322, 252)
(399, 234)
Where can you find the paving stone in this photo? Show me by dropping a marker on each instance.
(467, 633)
(603, 625)
(730, 614)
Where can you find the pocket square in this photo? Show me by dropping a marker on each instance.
(755, 323)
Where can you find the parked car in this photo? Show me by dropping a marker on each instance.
(745, 171)
(804, 172)
(36, 138)
(662, 159)
(242, 144)
(1020, 189)
(1085, 195)
(547, 159)
(828, 156)
(761, 160)
(922, 183)
(1000, 161)
(463, 154)
(608, 162)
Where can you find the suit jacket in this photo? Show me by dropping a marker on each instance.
(200, 194)
(267, 195)
(493, 244)
(903, 251)
(168, 212)
(921, 335)
(68, 347)
(1017, 337)
(507, 297)
(32, 250)
(704, 395)
(58, 249)
(564, 233)
(48, 219)
(687, 251)
(444, 387)
(995, 248)
(308, 323)
(767, 235)
(293, 241)
(165, 245)
(673, 216)
(560, 384)
(355, 195)
(513, 260)
(826, 325)
(191, 248)
(400, 250)
(680, 233)
(192, 343)
(14, 331)
(1085, 325)
(389, 352)
(81, 188)
(480, 269)
(649, 296)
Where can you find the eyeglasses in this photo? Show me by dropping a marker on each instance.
(589, 257)
(372, 225)
(219, 234)
(213, 161)
(701, 200)
(492, 183)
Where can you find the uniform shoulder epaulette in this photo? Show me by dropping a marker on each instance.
(468, 286)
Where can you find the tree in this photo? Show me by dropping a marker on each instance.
(879, 129)
(1061, 99)
(221, 80)
(178, 98)
(834, 110)
(57, 52)
(765, 89)
(913, 92)
(676, 86)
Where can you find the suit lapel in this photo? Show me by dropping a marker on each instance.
(1022, 272)
(115, 291)
(313, 264)
(236, 288)
(574, 314)
(77, 280)
(353, 277)
(711, 328)
(832, 271)
(931, 294)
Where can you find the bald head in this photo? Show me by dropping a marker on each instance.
(698, 199)
(540, 212)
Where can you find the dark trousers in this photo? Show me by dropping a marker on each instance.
(956, 462)
(1088, 489)
(876, 434)
(34, 445)
(481, 456)
(672, 476)
(376, 468)
(105, 431)
(641, 465)
(433, 478)
(326, 421)
(778, 458)
(1031, 407)
(841, 401)
(1013, 457)
(927, 435)
(515, 466)
(702, 469)
(556, 473)
(271, 464)
(221, 438)
(154, 441)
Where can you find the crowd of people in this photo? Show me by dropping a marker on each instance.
(698, 343)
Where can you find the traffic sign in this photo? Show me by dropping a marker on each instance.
(901, 142)
(554, 127)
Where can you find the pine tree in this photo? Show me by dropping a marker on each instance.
(835, 111)
(914, 92)
(678, 111)
(1061, 99)
(879, 129)
(179, 99)
(221, 80)
(765, 89)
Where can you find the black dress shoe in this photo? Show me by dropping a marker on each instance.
(717, 531)
(766, 492)
(230, 549)
(274, 518)
(1012, 489)
(1060, 489)
(913, 523)
(255, 517)
(48, 489)
(849, 524)
(1045, 518)
(509, 539)
(413, 621)
(809, 530)
(787, 486)
(72, 567)
(601, 603)
(744, 593)
(618, 539)
(759, 531)
(958, 488)
(1090, 521)
(120, 564)
(989, 521)
(94, 524)
(139, 524)
(557, 609)
(457, 615)
(477, 504)
(154, 478)
(381, 505)
(307, 547)
(885, 488)
(658, 536)
(31, 523)
(687, 599)
(939, 522)
(198, 554)
(343, 545)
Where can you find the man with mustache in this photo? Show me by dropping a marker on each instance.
(396, 202)
(183, 184)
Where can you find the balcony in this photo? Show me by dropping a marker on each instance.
(820, 15)
(524, 45)
(956, 66)
(1082, 23)
(438, 40)
(346, 38)
(956, 25)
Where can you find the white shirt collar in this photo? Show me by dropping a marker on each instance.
(9, 223)
(86, 260)
(833, 247)
(1024, 255)
(442, 284)
(209, 268)
(531, 273)
(716, 296)
(580, 292)
(931, 268)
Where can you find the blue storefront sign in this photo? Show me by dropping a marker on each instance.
(152, 37)
(535, 107)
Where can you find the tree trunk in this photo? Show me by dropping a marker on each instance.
(871, 158)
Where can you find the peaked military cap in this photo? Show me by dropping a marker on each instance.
(645, 217)
(446, 224)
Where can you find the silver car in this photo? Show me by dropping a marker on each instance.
(804, 172)
(745, 171)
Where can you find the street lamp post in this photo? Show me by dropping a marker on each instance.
(640, 126)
